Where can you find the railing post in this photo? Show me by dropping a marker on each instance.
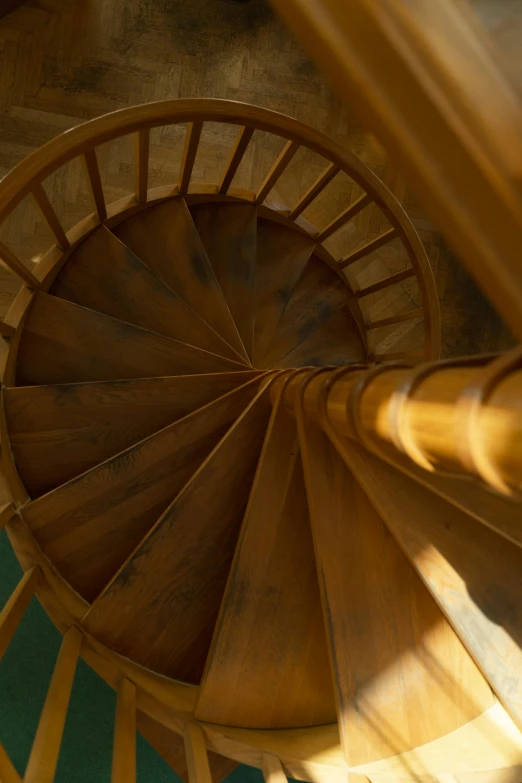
(41, 766)
(16, 606)
(196, 752)
(8, 773)
(124, 749)
(272, 769)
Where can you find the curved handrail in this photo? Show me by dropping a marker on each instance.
(27, 178)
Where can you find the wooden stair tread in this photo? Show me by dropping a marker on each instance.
(89, 526)
(320, 297)
(474, 574)
(228, 233)
(268, 663)
(402, 676)
(335, 342)
(58, 432)
(282, 254)
(161, 607)
(63, 342)
(104, 275)
(177, 256)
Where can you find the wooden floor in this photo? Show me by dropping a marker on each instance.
(66, 61)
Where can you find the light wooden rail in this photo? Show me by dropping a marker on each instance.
(28, 176)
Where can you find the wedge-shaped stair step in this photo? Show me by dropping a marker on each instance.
(58, 432)
(281, 256)
(268, 664)
(317, 316)
(165, 238)
(161, 607)
(65, 343)
(335, 342)
(103, 275)
(402, 676)
(228, 232)
(474, 573)
(89, 526)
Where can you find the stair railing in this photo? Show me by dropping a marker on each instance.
(28, 177)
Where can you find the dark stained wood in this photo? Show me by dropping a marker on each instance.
(335, 342)
(177, 257)
(58, 432)
(89, 526)
(161, 607)
(281, 257)
(65, 343)
(171, 748)
(402, 676)
(228, 232)
(474, 574)
(105, 276)
(268, 663)
(318, 296)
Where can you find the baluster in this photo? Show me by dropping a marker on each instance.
(196, 753)
(368, 248)
(395, 319)
(141, 165)
(388, 281)
(314, 191)
(276, 171)
(348, 214)
(8, 773)
(192, 138)
(14, 265)
(7, 512)
(124, 749)
(6, 330)
(16, 606)
(272, 769)
(41, 766)
(92, 170)
(50, 216)
(236, 156)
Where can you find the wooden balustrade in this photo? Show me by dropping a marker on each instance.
(15, 608)
(463, 416)
(276, 171)
(142, 165)
(92, 170)
(236, 156)
(196, 752)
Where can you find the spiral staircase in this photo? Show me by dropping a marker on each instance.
(261, 532)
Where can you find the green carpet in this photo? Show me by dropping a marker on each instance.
(25, 672)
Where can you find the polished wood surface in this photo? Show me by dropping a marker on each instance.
(177, 257)
(182, 564)
(105, 276)
(271, 603)
(64, 343)
(90, 526)
(58, 432)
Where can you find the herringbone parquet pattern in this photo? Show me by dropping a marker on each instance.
(65, 61)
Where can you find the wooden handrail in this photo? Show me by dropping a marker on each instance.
(475, 403)
(82, 141)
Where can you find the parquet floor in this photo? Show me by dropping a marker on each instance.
(65, 61)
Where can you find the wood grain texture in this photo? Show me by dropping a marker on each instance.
(281, 256)
(171, 748)
(165, 239)
(228, 233)
(161, 607)
(104, 275)
(402, 676)
(91, 525)
(65, 343)
(124, 744)
(317, 326)
(268, 663)
(43, 760)
(58, 432)
(474, 574)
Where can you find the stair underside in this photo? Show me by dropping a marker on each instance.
(216, 538)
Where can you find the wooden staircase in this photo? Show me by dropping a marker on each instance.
(211, 488)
